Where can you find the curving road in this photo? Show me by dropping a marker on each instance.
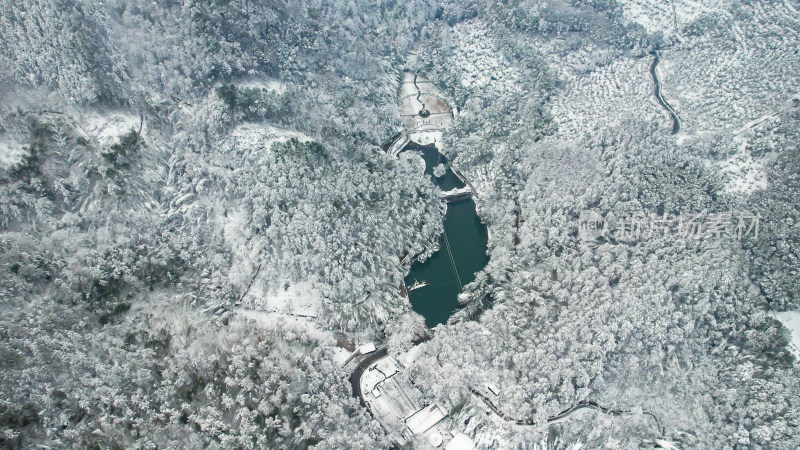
(676, 121)
(355, 377)
(567, 412)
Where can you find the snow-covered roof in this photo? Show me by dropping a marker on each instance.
(422, 420)
(435, 439)
(367, 348)
(460, 442)
(411, 355)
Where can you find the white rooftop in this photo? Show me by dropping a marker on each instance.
(460, 442)
(422, 420)
(367, 348)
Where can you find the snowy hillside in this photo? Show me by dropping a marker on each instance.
(669, 17)
(218, 226)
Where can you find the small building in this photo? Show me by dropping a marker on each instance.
(460, 442)
(493, 389)
(367, 348)
(422, 420)
(435, 439)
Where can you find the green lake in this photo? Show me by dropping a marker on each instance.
(467, 238)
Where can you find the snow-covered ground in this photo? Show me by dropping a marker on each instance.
(276, 86)
(284, 323)
(664, 16)
(722, 88)
(478, 59)
(606, 97)
(745, 174)
(249, 135)
(104, 128)
(108, 128)
(416, 94)
(300, 299)
(721, 92)
(11, 152)
(433, 137)
(340, 356)
(791, 320)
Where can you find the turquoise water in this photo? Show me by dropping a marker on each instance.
(467, 237)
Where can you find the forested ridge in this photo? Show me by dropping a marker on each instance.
(167, 167)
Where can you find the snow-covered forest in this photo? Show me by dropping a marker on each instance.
(197, 220)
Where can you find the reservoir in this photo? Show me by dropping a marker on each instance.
(452, 266)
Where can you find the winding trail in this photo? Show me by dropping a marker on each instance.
(676, 121)
(422, 112)
(569, 411)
